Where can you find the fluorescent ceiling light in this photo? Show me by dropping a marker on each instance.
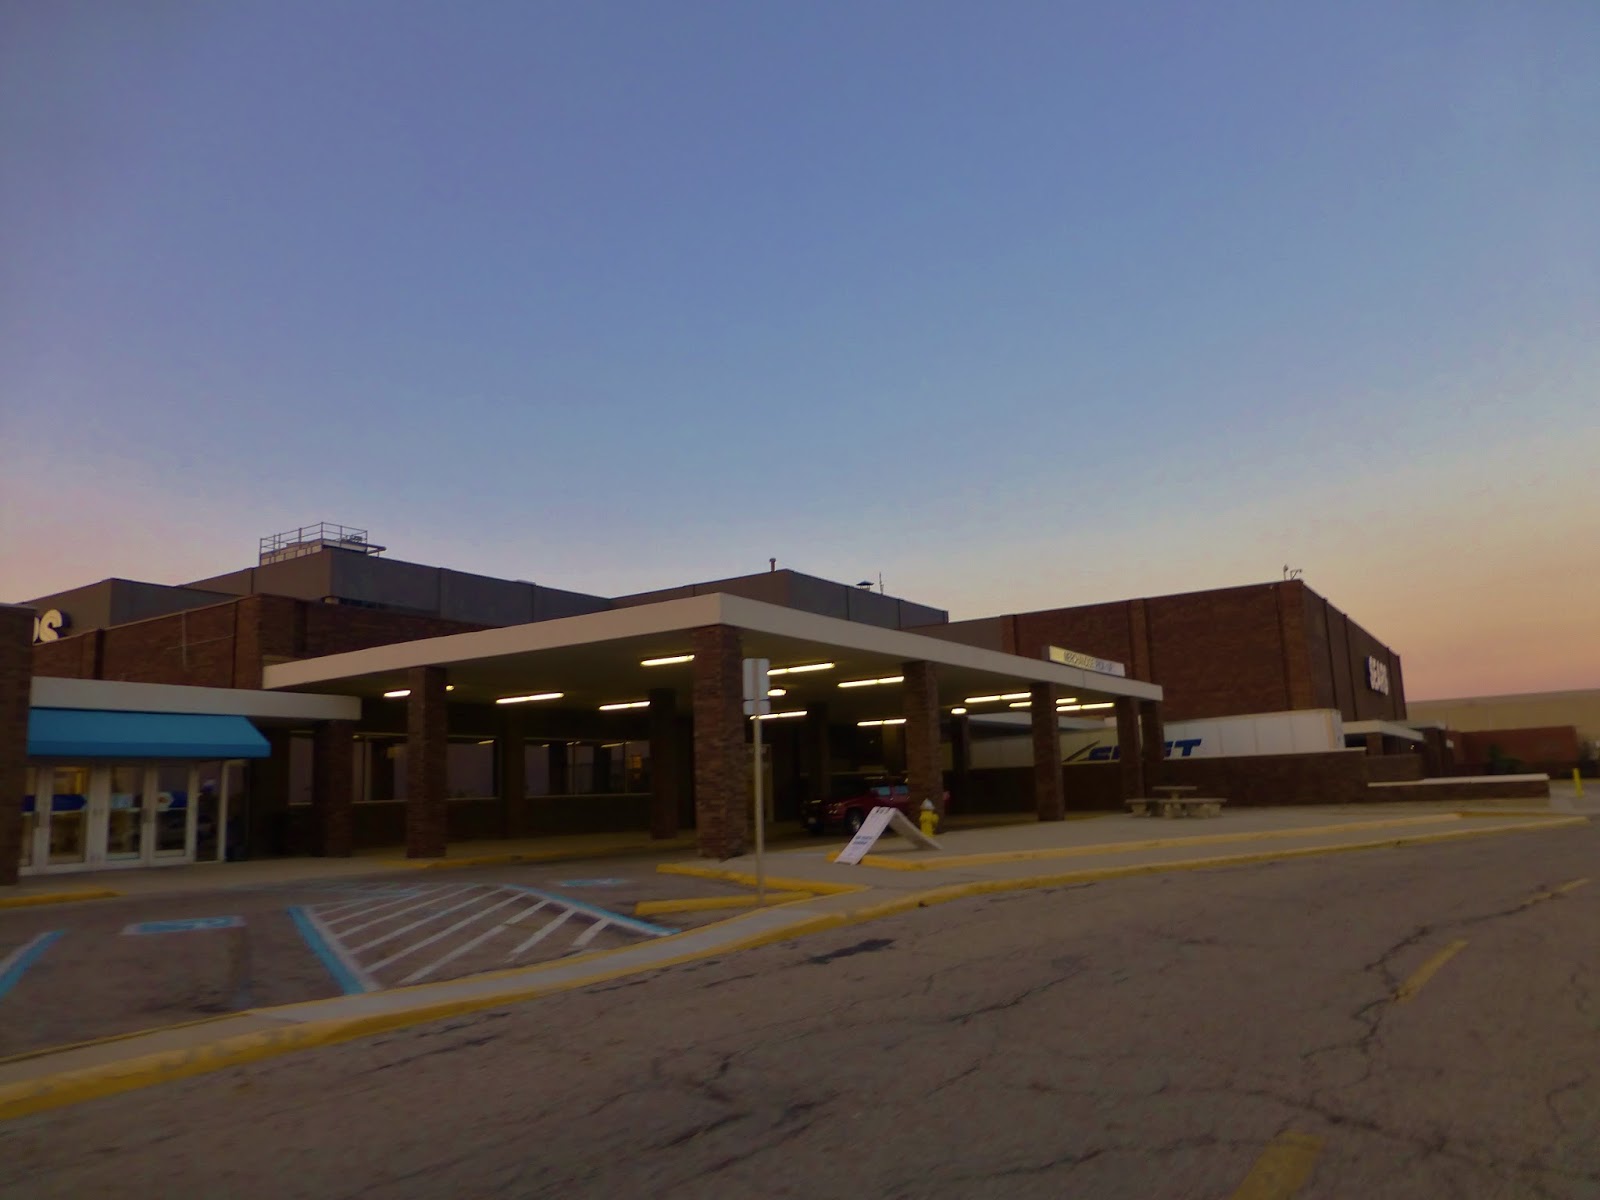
(532, 696)
(797, 712)
(873, 682)
(402, 693)
(1020, 704)
(1017, 696)
(1105, 704)
(886, 721)
(668, 661)
(800, 669)
(620, 705)
(777, 692)
(958, 712)
(981, 699)
(486, 742)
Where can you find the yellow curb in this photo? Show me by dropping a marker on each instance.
(108, 1079)
(1534, 814)
(535, 856)
(56, 897)
(650, 908)
(897, 863)
(817, 886)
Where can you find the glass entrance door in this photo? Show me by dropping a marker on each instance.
(63, 833)
(125, 817)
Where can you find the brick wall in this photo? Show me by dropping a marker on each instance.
(226, 645)
(16, 679)
(1545, 748)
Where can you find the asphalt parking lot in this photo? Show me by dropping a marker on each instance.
(76, 972)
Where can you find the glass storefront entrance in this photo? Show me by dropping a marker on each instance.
(85, 817)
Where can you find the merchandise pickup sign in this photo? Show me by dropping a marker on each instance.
(881, 818)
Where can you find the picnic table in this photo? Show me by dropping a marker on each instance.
(1175, 801)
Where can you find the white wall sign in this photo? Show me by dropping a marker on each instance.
(1377, 675)
(1086, 662)
(49, 625)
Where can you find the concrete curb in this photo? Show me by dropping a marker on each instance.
(652, 908)
(766, 926)
(40, 898)
(819, 887)
(536, 856)
(956, 861)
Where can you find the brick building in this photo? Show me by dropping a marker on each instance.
(477, 707)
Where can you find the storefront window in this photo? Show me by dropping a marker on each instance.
(30, 814)
(536, 770)
(125, 824)
(208, 810)
(469, 769)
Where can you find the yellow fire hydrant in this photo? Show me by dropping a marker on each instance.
(928, 818)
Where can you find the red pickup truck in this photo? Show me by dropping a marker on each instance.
(852, 797)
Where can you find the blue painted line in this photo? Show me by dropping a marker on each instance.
(14, 966)
(347, 979)
(594, 910)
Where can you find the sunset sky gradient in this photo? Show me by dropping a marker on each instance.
(1019, 304)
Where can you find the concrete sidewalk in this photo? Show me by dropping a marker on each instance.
(970, 862)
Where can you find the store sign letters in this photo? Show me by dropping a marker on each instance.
(49, 625)
(1377, 675)
(1085, 662)
(1110, 752)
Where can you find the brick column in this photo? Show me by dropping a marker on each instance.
(960, 760)
(722, 763)
(924, 770)
(511, 773)
(333, 760)
(663, 763)
(1048, 795)
(817, 753)
(1153, 741)
(268, 805)
(1130, 757)
(426, 763)
(16, 684)
(1374, 743)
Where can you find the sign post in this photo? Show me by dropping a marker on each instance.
(757, 705)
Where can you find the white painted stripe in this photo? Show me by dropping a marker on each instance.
(587, 936)
(423, 920)
(443, 933)
(394, 915)
(368, 904)
(358, 902)
(337, 949)
(541, 935)
(465, 947)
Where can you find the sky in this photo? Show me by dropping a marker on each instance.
(1019, 305)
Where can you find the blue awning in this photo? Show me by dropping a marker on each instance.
(97, 733)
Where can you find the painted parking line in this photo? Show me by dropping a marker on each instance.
(346, 972)
(1282, 1169)
(1427, 971)
(14, 965)
(499, 923)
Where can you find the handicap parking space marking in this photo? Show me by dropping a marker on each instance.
(185, 925)
(14, 965)
(454, 920)
(591, 883)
